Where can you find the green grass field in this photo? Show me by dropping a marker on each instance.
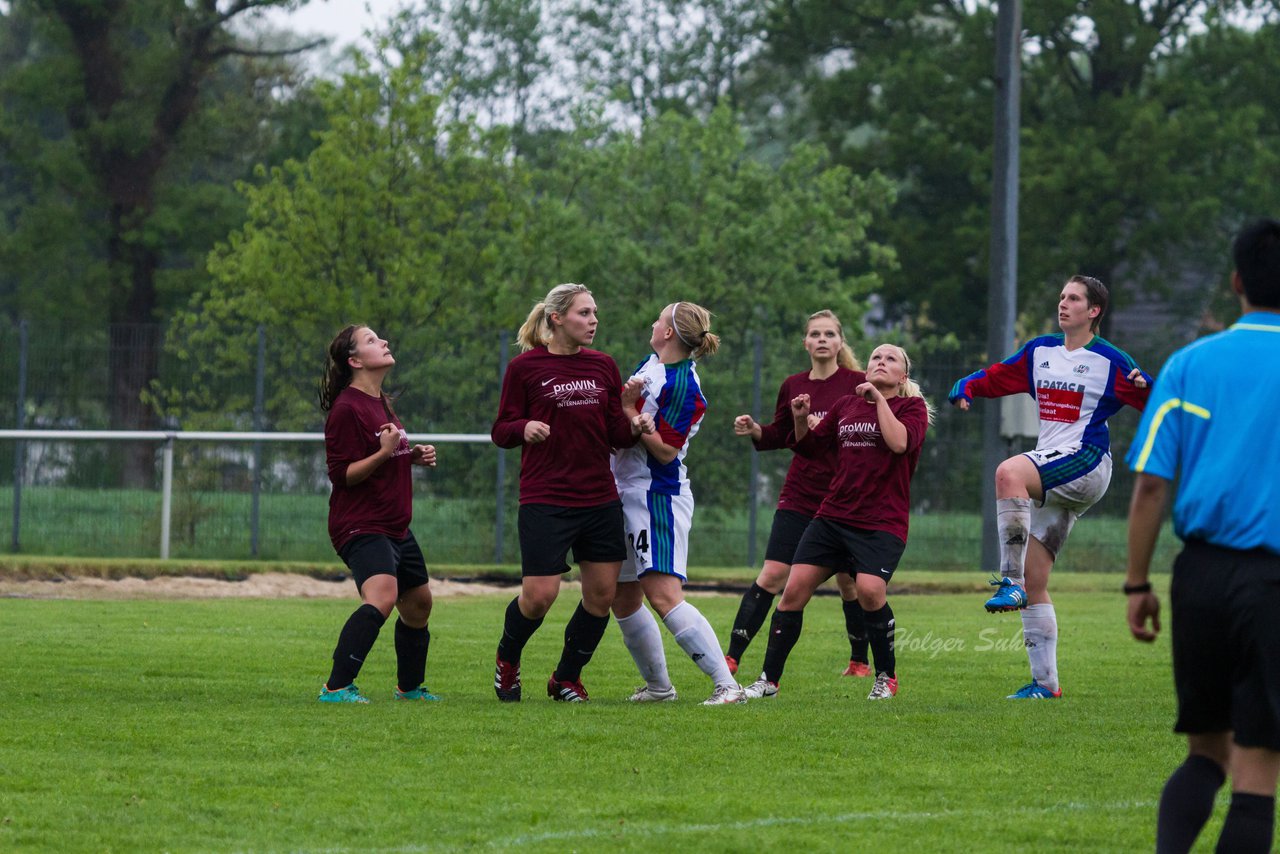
(193, 726)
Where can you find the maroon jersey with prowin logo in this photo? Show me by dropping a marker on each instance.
(871, 487)
(382, 503)
(580, 398)
(807, 478)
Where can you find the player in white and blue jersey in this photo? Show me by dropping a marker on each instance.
(657, 506)
(1079, 380)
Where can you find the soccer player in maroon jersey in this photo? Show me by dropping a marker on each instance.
(833, 373)
(562, 403)
(370, 508)
(861, 526)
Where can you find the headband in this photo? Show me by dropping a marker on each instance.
(674, 308)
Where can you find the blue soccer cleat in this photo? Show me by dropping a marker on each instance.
(349, 694)
(1034, 691)
(419, 693)
(1009, 597)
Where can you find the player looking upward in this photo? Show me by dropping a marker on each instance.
(657, 504)
(833, 373)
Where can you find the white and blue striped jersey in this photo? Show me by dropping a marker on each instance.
(673, 396)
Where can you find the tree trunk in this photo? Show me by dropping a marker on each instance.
(134, 340)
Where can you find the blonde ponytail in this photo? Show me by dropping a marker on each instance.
(535, 330)
(692, 324)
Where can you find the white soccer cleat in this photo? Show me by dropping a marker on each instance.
(726, 695)
(645, 694)
(762, 687)
(886, 687)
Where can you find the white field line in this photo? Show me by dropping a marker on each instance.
(653, 832)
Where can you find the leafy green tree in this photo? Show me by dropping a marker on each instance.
(123, 119)
(396, 219)
(430, 231)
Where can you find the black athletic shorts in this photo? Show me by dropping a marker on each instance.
(1225, 615)
(377, 554)
(784, 536)
(547, 532)
(845, 548)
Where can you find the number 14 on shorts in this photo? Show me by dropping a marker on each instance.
(639, 542)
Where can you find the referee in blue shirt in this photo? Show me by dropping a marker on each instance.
(1211, 423)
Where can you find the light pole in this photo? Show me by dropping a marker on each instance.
(1003, 288)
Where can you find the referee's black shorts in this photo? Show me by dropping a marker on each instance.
(1225, 614)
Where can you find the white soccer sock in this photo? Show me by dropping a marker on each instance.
(696, 637)
(1013, 527)
(643, 639)
(1040, 634)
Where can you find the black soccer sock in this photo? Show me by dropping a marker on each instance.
(1249, 826)
(411, 655)
(784, 631)
(516, 631)
(1187, 802)
(354, 642)
(751, 613)
(880, 629)
(581, 637)
(855, 626)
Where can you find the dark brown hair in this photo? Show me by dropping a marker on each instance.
(1095, 293)
(337, 374)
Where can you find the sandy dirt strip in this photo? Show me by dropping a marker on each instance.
(267, 585)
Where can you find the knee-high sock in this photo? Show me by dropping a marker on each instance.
(784, 631)
(516, 631)
(855, 626)
(1186, 803)
(880, 630)
(581, 637)
(1249, 826)
(1013, 527)
(751, 613)
(696, 637)
(1040, 635)
(411, 655)
(354, 642)
(643, 639)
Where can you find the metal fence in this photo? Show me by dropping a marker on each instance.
(230, 494)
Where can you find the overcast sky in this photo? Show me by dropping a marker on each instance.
(344, 21)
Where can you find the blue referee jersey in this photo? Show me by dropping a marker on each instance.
(1211, 423)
